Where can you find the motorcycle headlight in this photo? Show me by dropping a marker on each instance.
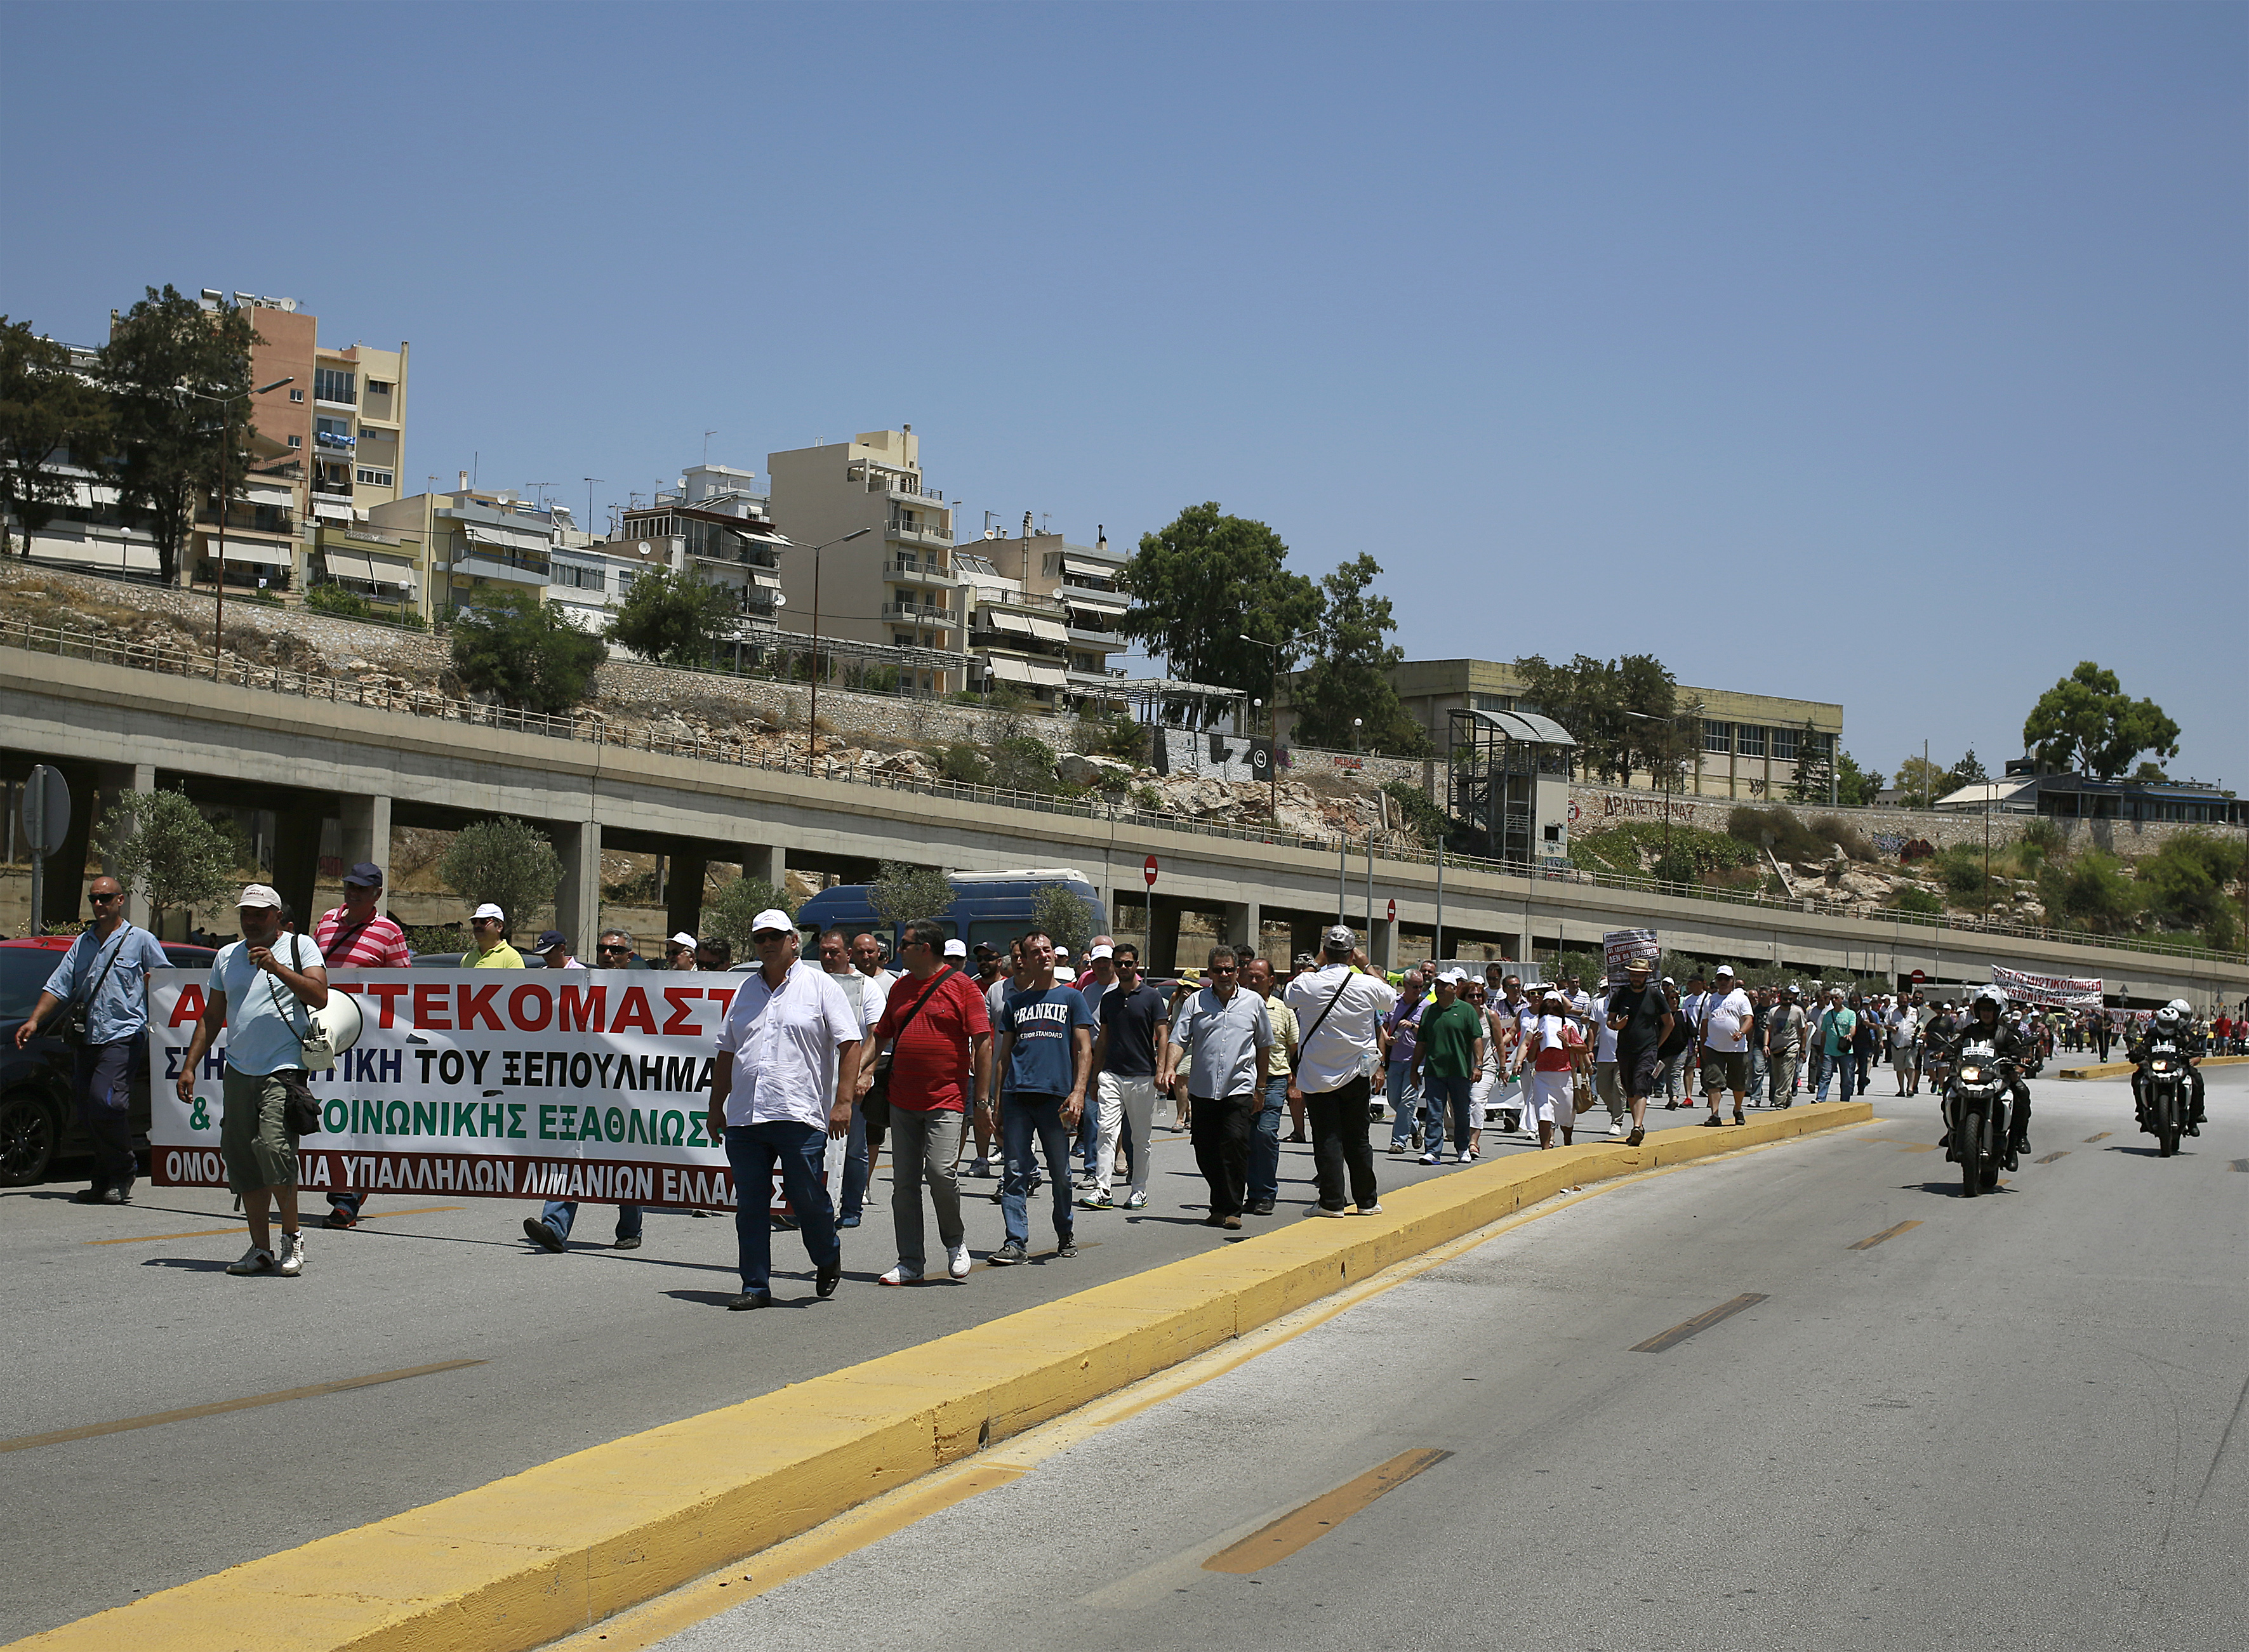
(1971, 1075)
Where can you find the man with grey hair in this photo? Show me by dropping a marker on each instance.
(1228, 1039)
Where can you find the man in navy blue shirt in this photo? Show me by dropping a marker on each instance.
(1045, 1053)
(105, 977)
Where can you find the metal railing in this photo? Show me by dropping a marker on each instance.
(592, 727)
(928, 613)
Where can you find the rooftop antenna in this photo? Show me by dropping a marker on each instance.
(589, 482)
(1027, 550)
(707, 435)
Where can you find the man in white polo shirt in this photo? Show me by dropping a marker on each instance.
(1339, 1009)
(1727, 1018)
(786, 1083)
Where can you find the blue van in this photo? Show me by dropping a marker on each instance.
(986, 906)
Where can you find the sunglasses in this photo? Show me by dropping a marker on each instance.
(610, 946)
(105, 898)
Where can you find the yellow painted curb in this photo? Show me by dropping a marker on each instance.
(2123, 1069)
(538, 1555)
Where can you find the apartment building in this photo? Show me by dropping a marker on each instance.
(468, 541)
(326, 448)
(719, 523)
(1042, 613)
(896, 585)
(1750, 743)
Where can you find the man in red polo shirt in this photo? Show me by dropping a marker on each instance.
(357, 936)
(940, 1038)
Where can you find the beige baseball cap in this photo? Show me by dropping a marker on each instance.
(259, 895)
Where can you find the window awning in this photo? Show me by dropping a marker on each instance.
(332, 510)
(1048, 630)
(1047, 676)
(502, 540)
(1008, 668)
(279, 493)
(1090, 569)
(1014, 623)
(385, 572)
(258, 551)
(764, 579)
(345, 564)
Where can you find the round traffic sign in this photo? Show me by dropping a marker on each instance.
(1393, 912)
(1148, 870)
(46, 810)
(1921, 974)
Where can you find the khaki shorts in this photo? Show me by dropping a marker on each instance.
(252, 1136)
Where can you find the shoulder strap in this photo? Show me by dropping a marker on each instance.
(124, 931)
(296, 963)
(343, 939)
(1307, 1035)
(918, 1003)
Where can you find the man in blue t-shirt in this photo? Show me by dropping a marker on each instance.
(1045, 1053)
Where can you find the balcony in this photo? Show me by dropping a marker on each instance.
(520, 568)
(921, 535)
(920, 614)
(1078, 594)
(917, 570)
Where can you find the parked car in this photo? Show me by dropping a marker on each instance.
(38, 1123)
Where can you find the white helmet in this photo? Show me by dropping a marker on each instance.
(2170, 1018)
(2186, 1010)
(1989, 994)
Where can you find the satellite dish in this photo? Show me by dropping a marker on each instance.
(645, 547)
(779, 601)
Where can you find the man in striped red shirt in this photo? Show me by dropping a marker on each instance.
(357, 936)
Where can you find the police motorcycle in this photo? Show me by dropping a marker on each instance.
(2164, 1081)
(1975, 1096)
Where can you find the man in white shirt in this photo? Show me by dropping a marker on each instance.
(850, 1162)
(785, 1084)
(1905, 1047)
(1608, 1086)
(1339, 1011)
(1728, 1016)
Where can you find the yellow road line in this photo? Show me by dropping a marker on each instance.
(1300, 1527)
(1678, 1333)
(218, 1407)
(213, 1233)
(1873, 1240)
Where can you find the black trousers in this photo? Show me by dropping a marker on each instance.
(1219, 1127)
(1343, 1158)
(102, 1075)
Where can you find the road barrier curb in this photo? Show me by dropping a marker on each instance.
(2123, 1069)
(541, 1554)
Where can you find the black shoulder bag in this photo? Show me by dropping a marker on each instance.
(77, 1017)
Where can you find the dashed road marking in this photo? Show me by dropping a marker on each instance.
(1701, 1322)
(1873, 1240)
(1321, 1516)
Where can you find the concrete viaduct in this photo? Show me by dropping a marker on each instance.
(117, 726)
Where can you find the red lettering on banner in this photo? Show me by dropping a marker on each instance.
(580, 1011)
(542, 1001)
(190, 1007)
(633, 1012)
(431, 1010)
(477, 1004)
(725, 997)
(682, 1018)
(388, 993)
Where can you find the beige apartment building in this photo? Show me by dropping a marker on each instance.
(1750, 742)
(455, 545)
(1042, 612)
(326, 449)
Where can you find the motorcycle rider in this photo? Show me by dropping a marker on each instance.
(2174, 1024)
(1987, 1021)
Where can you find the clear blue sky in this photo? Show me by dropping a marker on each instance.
(1887, 354)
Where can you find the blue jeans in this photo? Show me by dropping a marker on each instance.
(1440, 1095)
(1265, 1140)
(1022, 1117)
(1836, 1064)
(1405, 1100)
(802, 1151)
(560, 1213)
(857, 1169)
(101, 1075)
(1089, 1130)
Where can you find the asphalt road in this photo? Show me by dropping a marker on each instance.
(573, 1350)
(2017, 1424)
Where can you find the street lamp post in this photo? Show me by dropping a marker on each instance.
(812, 714)
(225, 432)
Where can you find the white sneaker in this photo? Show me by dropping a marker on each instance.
(1616, 1131)
(956, 1260)
(254, 1260)
(901, 1275)
(293, 1254)
(1432, 1158)
(1137, 1200)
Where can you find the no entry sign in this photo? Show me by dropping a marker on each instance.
(1393, 912)
(1148, 870)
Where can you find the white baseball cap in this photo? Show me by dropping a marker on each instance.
(771, 918)
(956, 947)
(683, 939)
(1103, 952)
(488, 910)
(259, 895)
(1726, 970)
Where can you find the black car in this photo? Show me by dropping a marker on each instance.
(38, 1122)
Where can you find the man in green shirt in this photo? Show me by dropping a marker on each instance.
(1839, 1024)
(1445, 1059)
(488, 924)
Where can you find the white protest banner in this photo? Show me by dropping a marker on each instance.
(584, 1084)
(1620, 947)
(2066, 991)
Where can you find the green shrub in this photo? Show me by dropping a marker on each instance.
(2182, 884)
(1678, 866)
(1619, 848)
(1962, 868)
(1835, 830)
(1910, 899)
(1778, 829)
(1421, 816)
(965, 764)
(334, 599)
(1023, 763)
(2089, 892)
(2045, 836)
